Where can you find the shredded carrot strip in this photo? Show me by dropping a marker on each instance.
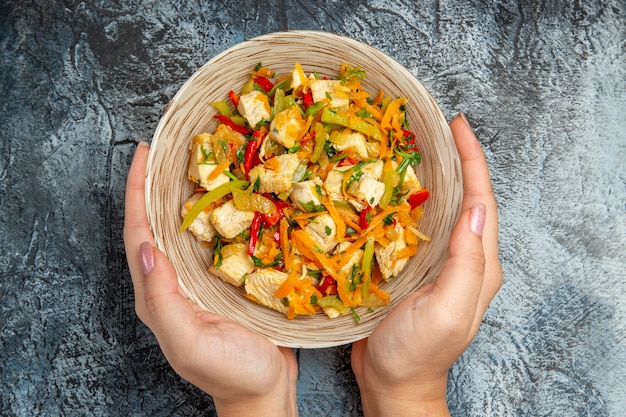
(350, 222)
(220, 168)
(393, 109)
(339, 222)
(382, 294)
(379, 97)
(288, 285)
(327, 263)
(359, 95)
(344, 257)
(377, 219)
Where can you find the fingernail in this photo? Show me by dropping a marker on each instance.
(147, 257)
(478, 213)
(462, 116)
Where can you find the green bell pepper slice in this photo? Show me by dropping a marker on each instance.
(211, 197)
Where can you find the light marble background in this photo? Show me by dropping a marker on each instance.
(542, 82)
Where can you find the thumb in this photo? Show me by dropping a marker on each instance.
(161, 306)
(460, 282)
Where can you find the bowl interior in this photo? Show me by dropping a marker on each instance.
(190, 113)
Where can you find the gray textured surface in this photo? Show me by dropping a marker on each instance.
(544, 83)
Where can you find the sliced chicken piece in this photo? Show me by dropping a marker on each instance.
(262, 285)
(201, 226)
(229, 221)
(236, 264)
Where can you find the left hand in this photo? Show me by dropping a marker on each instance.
(243, 371)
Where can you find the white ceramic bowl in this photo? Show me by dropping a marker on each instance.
(189, 113)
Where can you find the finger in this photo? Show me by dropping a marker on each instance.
(136, 226)
(476, 178)
(477, 188)
(136, 220)
(459, 285)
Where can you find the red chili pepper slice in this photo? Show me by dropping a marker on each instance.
(234, 98)
(419, 198)
(364, 217)
(273, 218)
(228, 122)
(307, 99)
(251, 156)
(264, 83)
(410, 140)
(255, 228)
(326, 284)
(347, 161)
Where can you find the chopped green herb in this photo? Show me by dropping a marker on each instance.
(355, 315)
(364, 114)
(217, 250)
(388, 220)
(314, 273)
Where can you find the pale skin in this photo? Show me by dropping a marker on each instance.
(401, 369)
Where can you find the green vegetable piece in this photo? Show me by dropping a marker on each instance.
(320, 140)
(223, 108)
(354, 123)
(331, 301)
(210, 197)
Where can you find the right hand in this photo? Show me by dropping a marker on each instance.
(402, 367)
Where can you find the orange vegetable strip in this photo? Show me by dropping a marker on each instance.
(382, 294)
(410, 237)
(305, 129)
(327, 263)
(379, 97)
(219, 169)
(344, 293)
(272, 164)
(352, 224)
(288, 285)
(392, 109)
(344, 257)
(383, 241)
(377, 219)
(375, 223)
(334, 214)
(406, 252)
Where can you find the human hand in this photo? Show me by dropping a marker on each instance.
(244, 372)
(402, 368)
